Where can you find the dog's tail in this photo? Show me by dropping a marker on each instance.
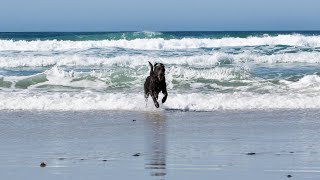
(151, 67)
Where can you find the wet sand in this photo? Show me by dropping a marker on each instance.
(244, 145)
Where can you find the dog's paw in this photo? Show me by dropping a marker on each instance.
(156, 104)
(164, 100)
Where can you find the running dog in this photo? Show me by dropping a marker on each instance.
(155, 83)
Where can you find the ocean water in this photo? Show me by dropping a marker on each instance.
(205, 71)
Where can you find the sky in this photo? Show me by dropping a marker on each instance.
(158, 15)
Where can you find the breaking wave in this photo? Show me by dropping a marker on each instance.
(204, 71)
(135, 102)
(213, 59)
(159, 43)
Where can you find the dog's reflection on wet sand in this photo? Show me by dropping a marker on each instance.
(155, 135)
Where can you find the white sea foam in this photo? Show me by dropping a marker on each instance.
(217, 73)
(57, 76)
(136, 102)
(99, 80)
(178, 79)
(308, 83)
(82, 75)
(159, 43)
(133, 61)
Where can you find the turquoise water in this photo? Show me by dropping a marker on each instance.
(205, 71)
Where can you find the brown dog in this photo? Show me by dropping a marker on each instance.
(155, 83)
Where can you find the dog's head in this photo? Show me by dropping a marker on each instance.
(159, 71)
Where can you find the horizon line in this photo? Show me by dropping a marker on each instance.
(160, 31)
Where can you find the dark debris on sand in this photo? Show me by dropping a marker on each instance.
(42, 164)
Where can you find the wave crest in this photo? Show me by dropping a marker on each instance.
(159, 43)
(135, 102)
(214, 59)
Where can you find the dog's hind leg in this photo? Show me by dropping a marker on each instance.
(146, 95)
(146, 99)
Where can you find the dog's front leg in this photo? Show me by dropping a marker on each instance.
(154, 99)
(164, 91)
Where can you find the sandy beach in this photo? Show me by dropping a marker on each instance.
(160, 145)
